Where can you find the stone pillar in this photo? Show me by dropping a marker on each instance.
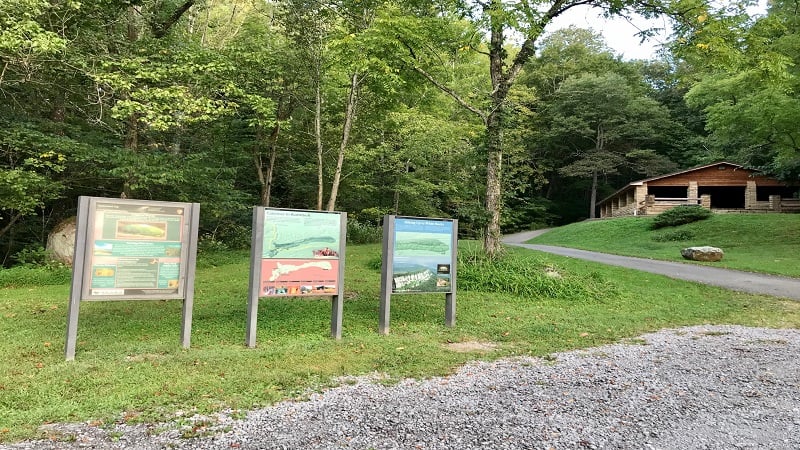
(641, 194)
(640, 198)
(691, 193)
(750, 195)
(705, 201)
(649, 203)
(775, 203)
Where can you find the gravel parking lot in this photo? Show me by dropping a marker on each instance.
(703, 387)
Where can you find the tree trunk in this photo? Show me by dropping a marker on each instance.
(349, 118)
(492, 240)
(266, 175)
(599, 146)
(266, 193)
(318, 136)
(593, 195)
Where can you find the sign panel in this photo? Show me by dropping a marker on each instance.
(135, 250)
(419, 256)
(422, 258)
(296, 253)
(300, 253)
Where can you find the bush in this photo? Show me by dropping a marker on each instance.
(674, 236)
(680, 216)
(362, 233)
(35, 257)
(529, 278)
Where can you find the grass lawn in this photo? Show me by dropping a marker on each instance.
(767, 243)
(129, 365)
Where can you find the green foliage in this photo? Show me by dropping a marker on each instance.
(680, 216)
(35, 276)
(34, 257)
(363, 233)
(530, 278)
(674, 236)
(747, 84)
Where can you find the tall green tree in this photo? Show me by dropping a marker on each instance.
(603, 124)
(498, 20)
(747, 82)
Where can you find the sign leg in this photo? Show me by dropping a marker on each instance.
(450, 309)
(337, 305)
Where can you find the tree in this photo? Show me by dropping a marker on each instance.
(604, 124)
(747, 83)
(498, 19)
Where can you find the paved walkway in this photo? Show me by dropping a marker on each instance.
(735, 280)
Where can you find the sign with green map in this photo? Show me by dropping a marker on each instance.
(300, 234)
(297, 253)
(300, 252)
(419, 257)
(422, 256)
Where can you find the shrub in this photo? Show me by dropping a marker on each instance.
(679, 216)
(35, 257)
(363, 233)
(529, 278)
(674, 236)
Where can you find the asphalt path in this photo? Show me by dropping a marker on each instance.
(735, 280)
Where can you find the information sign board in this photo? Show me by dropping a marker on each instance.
(419, 256)
(422, 256)
(296, 253)
(300, 253)
(136, 250)
(133, 250)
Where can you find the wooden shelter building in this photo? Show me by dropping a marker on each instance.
(722, 187)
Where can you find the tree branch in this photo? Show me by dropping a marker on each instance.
(160, 29)
(529, 46)
(451, 93)
(10, 223)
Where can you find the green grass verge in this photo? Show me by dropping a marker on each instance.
(130, 367)
(768, 243)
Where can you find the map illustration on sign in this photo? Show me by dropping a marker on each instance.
(301, 234)
(300, 253)
(422, 255)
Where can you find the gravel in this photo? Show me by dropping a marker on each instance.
(703, 387)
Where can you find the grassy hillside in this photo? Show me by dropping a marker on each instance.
(129, 365)
(767, 243)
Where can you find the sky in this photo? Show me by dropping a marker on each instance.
(620, 35)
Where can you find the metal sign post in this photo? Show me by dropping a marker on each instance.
(133, 250)
(419, 256)
(296, 253)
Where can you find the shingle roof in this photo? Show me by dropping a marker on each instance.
(640, 182)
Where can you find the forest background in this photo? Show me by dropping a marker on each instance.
(471, 110)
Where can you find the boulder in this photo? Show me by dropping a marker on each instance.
(61, 241)
(702, 253)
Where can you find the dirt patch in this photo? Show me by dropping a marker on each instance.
(471, 346)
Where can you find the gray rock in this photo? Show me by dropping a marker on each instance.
(705, 253)
(61, 241)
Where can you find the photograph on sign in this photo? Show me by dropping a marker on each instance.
(300, 253)
(422, 255)
(135, 249)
